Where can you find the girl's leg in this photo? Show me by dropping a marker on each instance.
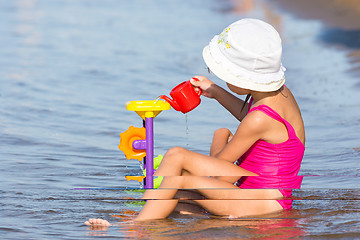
(223, 198)
(160, 202)
(186, 205)
(177, 160)
(221, 137)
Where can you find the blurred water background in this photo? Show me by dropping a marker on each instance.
(67, 68)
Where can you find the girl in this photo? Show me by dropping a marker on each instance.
(267, 147)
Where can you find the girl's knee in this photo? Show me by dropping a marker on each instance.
(175, 153)
(221, 131)
(172, 163)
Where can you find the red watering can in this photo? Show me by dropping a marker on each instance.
(185, 98)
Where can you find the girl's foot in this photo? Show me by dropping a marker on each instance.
(97, 222)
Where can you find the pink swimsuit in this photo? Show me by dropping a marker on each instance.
(276, 164)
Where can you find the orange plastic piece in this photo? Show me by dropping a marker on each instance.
(136, 178)
(126, 140)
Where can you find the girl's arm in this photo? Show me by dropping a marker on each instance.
(226, 99)
(254, 126)
(232, 103)
(229, 148)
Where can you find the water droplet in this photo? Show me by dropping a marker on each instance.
(187, 130)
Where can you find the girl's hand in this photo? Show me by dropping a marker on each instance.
(205, 84)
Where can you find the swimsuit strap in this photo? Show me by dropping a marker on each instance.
(273, 114)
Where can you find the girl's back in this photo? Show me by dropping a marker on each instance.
(286, 106)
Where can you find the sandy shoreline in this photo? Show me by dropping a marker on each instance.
(344, 14)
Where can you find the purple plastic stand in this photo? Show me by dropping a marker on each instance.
(149, 152)
(148, 145)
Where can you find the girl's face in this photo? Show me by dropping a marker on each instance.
(238, 90)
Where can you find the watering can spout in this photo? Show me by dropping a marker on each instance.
(172, 102)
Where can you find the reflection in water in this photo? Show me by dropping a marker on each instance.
(28, 16)
(214, 228)
(348, 39)
(342, 37)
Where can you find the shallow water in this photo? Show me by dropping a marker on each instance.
(69, 67)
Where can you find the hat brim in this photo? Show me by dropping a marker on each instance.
(241, 81)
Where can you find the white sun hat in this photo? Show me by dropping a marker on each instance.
(247, 54)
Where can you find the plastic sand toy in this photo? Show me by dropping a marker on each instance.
(184, 97)
(138, 143)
